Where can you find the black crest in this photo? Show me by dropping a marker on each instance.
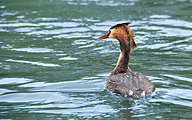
(121, 24)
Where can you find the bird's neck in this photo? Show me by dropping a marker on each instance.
(122, 64)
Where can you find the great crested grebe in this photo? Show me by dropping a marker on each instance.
(122, 80)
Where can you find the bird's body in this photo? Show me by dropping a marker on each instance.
(122, 80)
(131, 84)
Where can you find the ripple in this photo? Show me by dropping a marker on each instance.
(154, 78)
(53, 24)
(34, 50)
(4, 66)
(182, 47)
(92, 20)
(68, 58)
(47, 19)
(34, 63)
(178, 77)
(84, 85)
(61, 54)
(26, 29)
(44, 97)
(188, 47)
(99, 48)
(59, 31)
(20, 17)
(86, 46)
(3, 30)
(37, 84)
(14, 80)
(98, 28)
(2, 7)
(73, 35)
(80, 42)
(90, 111)
(172, 22)
(112, 3)
(156, 46)
(160, 16)
(169, 32)
(8, 14)
(175, 96)
(78, 103)
(2, 91)
(60, 24)
(18, 25)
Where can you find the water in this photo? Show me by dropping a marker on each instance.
(52, 66)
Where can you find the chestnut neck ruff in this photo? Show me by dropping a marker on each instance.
(128, 39)
(122, 65)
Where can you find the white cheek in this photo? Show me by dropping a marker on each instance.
(110, 36)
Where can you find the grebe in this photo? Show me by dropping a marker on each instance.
(122, 80)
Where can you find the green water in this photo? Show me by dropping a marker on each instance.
(53, 67)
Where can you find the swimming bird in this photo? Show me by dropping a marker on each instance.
(122, 80)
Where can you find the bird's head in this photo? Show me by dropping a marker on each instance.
(122, 33)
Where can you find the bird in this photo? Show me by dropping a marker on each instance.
(122, 80)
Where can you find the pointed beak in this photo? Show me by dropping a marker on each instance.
(104, 36)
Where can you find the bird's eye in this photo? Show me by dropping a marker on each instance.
(109, 31)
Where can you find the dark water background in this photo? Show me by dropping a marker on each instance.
(52, 66)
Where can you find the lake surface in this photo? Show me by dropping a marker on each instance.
(53, 67)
